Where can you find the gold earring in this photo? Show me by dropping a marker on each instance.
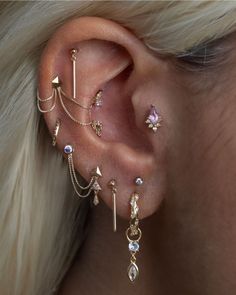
(113, 186)
(93, 183)
(133, 234)
(55, 132)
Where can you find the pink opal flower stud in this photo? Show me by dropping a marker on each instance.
(153, 120)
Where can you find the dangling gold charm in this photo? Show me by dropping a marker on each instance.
(96, 174)
(97, 127)
(133, 234)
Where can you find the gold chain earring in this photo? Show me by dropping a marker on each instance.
(93, 183)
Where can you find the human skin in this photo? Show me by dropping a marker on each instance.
(188, 197)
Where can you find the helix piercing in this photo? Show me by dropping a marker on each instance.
(57, 91)
(55, 132)
(93, 183)
(113, 186)
(153, 119)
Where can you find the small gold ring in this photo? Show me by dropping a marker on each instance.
(55, 132)
(139, 235)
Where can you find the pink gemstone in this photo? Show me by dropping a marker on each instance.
(153, 115)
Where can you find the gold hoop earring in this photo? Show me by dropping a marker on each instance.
(55, 132)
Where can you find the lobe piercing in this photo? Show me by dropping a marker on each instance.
(133, 234)
(153, 120)
(55, 132)
(113, 186)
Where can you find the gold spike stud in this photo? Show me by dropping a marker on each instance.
(56, 82)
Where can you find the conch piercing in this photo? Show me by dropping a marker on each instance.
(153, 120)
(113, 186)
(93, 183)
(133, 234)
(55, 132)
(57, 91)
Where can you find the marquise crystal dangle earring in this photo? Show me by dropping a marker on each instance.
(133, 234)
(93, 183)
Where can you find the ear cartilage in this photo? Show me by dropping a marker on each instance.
(153, 119)
(113, 186)
(93, 184)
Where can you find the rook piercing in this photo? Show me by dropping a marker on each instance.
(73, 58)
(55, 132)
(98, 101)
(133, 234)
(153, 120)
(113, 186)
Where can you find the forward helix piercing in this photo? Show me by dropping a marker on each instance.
(153, 119)
(93, 183)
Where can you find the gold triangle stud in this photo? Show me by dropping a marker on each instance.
(56, 82)
(97, 172)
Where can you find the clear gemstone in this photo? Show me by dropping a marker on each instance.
(133, 271)
(138, 181)
(68, 149)
(133, 246)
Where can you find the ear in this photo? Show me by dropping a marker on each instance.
(113, 59)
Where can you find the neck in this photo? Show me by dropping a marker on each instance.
(104, 258)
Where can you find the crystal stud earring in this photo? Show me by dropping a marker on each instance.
(154, 119)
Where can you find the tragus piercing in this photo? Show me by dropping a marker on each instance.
(153, 119)
(93, 183)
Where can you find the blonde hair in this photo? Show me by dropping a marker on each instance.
(41, 223)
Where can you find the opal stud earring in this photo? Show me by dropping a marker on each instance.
(153, 120)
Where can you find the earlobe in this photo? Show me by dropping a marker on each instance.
(97, 59)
